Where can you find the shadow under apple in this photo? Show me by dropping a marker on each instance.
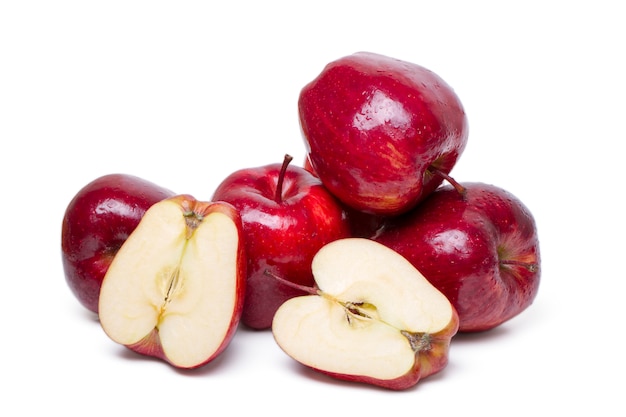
(480, 337)
(216, 365)
(321, 378)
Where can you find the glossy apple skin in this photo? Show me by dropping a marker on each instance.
(96, 222)
(464, 246)
(373, 126)
(362, 224)
(281, 237)
(151, 344)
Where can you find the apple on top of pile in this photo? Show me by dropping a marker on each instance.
(370, 251)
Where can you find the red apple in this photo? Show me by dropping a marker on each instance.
(175, 288)
(362, 224)
(288, 215)
(96, 222)
(478, 245)
(379, 131)
(371, 318)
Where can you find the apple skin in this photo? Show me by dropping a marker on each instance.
(480, 249)
(377, 129)
(98, 219)
(281, 236)
(362, 224)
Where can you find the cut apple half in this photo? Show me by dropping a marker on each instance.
(373, 318)
(174, 290)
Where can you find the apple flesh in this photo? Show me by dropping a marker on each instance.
(96, 222)
(371, 318)
(175, 288)
(378, 131)
(477, 244)
(288, 215)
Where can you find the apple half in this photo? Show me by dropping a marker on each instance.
(175, 288)
(373, 318)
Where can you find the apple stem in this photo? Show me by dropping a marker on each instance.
(532, 267)
(448, 178)
(303, 288)
(281, 177)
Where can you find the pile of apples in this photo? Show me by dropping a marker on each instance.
(364, 262)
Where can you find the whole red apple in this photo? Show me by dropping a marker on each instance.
(288, 215)
(478, 245)
(98, 219)
(380, 131)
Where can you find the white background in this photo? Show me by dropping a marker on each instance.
(183, 93)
